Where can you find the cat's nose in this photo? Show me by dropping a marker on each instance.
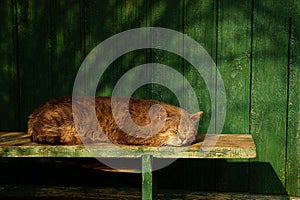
(182, 137)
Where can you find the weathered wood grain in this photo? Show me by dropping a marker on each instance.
(167, 14)
(147, 177)
(293, 134)
(128, 16)
(66, 22)
(34, 55)
(18, 144)
(100, 24)
(199, 22)
(269, 93)
(9, 85)
(233, 58)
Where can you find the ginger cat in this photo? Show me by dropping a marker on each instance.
(53, 123)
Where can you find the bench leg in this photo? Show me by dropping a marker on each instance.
(147, 177)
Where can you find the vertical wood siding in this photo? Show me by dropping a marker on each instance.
(293, 125)
(255, 44)
(233, 59)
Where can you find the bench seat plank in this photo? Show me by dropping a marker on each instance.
(18, 144)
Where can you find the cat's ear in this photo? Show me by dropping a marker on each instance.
(196, 116)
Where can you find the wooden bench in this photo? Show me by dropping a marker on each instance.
(214, 146)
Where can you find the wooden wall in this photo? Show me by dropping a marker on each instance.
(255, 44)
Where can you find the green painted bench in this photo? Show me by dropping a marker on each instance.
(214, 146)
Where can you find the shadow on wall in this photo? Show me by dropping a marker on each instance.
(60, 34)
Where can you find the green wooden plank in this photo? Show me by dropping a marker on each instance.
(269, 95)
(200, 24)
(293, 137)
(100, 25)
(67, 44)
(105, 19)
(18, 144)
(131, 14)
(9, 107)
(34, 48)
(233, 58)
(167, 14)
(234, 41)
(147, 177)
(110, 151)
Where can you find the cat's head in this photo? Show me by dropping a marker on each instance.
(179, 127)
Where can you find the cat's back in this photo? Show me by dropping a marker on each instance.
(53, 122)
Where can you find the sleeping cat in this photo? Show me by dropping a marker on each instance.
(53, 122)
